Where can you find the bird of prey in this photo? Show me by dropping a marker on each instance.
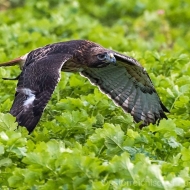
(121, 77)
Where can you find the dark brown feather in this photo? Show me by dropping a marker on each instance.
(39, 80)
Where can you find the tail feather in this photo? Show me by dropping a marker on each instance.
(13, 62)
(18, 61)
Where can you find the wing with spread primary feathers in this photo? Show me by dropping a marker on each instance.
(129, 85)
(35, 87)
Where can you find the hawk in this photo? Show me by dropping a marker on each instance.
(121, 77)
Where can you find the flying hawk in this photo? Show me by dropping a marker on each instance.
(121, 77)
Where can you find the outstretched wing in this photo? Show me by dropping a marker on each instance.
(129, 85)
(35, 87)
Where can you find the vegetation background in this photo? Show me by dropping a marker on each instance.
(83, 140)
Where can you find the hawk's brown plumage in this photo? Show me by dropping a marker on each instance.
(121, 77)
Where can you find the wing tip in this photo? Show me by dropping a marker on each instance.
(28, 122)
(157, 117)
(164, 108)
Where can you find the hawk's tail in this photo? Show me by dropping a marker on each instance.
(13, 62)
(18, 61)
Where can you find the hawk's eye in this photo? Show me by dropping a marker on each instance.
(101, 56)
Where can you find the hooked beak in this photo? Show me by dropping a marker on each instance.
(110, 58)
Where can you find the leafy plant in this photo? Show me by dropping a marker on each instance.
(83, 140)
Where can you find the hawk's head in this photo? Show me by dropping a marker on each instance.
(100, 57)
(94, 56)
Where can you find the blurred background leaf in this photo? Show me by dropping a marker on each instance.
(83, 140)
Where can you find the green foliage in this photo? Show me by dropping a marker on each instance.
(83, 140)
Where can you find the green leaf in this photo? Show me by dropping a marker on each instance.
(2, 150)
(5, 162)
(7, 121)
(83, 140)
